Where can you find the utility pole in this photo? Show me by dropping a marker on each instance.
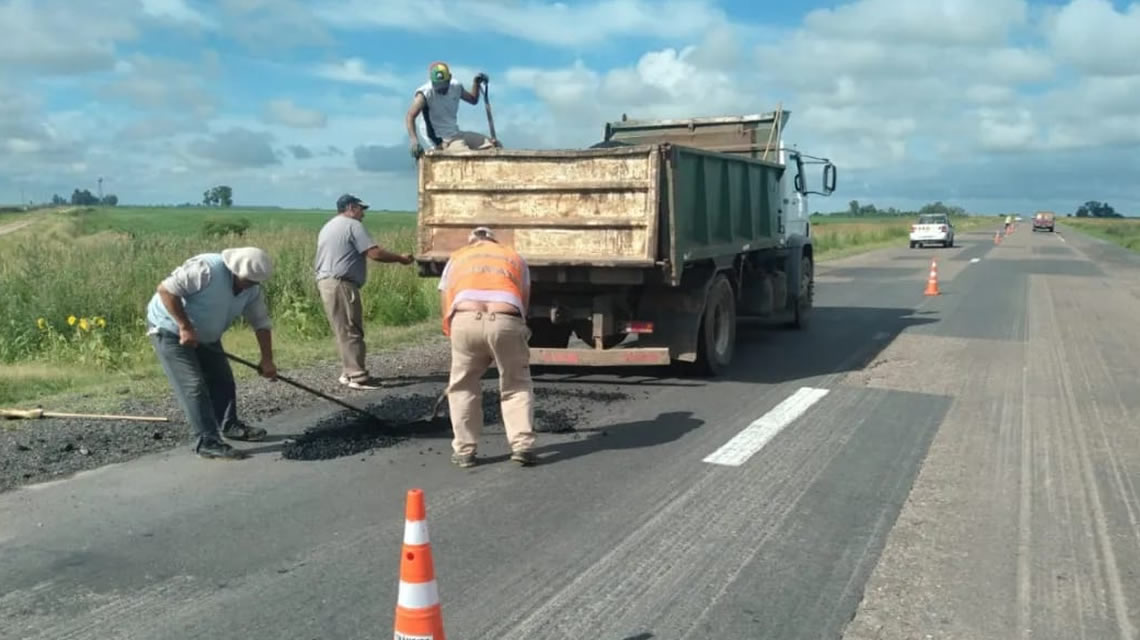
(100, 190)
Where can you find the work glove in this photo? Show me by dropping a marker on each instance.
(415, 149)
(481, 78)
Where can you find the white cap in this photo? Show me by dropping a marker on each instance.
(249, 263)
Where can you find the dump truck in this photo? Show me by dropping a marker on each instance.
(648, 246)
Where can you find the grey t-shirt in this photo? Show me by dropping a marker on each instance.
(340, 250)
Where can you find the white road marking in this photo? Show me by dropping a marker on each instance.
(1062, 238)
(975, 260)
(745, 444)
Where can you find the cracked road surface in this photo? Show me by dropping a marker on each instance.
(962, 466)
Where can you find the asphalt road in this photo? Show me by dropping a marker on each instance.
(961, 466)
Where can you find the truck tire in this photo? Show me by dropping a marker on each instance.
(716, 340)
(805, 299)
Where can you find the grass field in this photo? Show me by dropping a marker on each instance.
(1124, 232)
(76, 285)
(837, 236)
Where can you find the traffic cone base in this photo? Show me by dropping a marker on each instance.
(932, 282)
(419, 615)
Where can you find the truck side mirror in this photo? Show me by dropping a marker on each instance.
(829, 177)
(799, 182)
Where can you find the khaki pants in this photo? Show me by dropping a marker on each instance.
(477, 339)
(468, 141)
(341, 300)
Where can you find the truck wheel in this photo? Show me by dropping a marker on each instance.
(804, 301)
(716, 341)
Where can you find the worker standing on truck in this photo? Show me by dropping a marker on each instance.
(438, 101)
(341, 271)
(186, 318)
(484, 295)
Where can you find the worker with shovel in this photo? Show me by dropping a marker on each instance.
(438, 102)
(186, 318)
(484, 295)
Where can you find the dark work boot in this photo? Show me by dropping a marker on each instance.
(218, 450)
(463, 460)
(525, 458)
(238, 430)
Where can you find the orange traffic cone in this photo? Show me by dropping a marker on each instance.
(997, 237)
(418, 612)
(932, 282)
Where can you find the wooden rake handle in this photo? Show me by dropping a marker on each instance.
(35, 414)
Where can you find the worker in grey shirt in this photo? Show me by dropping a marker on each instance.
(341, 271)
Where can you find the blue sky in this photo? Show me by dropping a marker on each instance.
(996, 105)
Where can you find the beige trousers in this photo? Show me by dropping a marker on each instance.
(468, 141)
(477, 340)
(345, 312)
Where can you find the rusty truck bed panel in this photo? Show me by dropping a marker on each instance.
(553, 207)
(647, 207)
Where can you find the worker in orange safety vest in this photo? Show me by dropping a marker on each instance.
(484, 295)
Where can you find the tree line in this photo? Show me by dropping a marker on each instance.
(83, 197)
(857, 209)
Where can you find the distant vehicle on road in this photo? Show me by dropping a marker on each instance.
(932, 228)
(1044, 220)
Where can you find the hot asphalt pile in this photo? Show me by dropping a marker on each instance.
(400, 417)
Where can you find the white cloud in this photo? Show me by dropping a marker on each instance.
(934, 22)
(285, 112)
(154, 83)
(559, 24)
(1097, 39)
(32, 40)
(178, 11)
(355, 71)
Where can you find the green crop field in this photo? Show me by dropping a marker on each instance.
(1122, 231)
(76, 285)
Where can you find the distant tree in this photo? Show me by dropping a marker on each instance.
(83, 198)
(853, 207)
(57, 200)
(110, 200)
(1096, 209)
(221, 195)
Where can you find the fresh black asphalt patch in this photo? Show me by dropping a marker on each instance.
(399, 418)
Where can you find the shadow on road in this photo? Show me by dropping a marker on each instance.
(839, 339)
(667, 427)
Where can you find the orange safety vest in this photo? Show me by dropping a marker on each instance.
(487, 266)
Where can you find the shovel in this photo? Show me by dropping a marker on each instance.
(490, 120)
(353, 408)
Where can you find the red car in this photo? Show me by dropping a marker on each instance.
(1044, 220)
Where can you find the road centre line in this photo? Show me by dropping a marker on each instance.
(760, 432)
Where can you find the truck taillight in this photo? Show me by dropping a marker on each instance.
(913, 228)
(942, 228)
(639, 327)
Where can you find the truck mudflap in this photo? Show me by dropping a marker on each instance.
(633, 357)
